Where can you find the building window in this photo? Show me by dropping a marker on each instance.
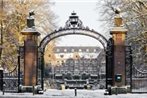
(87, 50)
(94, 50)
(65, 50)
(72, 50)
(80, 50)
(58, 50)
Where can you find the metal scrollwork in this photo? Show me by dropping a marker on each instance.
(73, 26)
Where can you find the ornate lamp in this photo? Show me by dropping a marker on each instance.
(74, 21)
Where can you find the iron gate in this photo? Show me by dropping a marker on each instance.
(11, 82)
(136, 74)
(109, 62)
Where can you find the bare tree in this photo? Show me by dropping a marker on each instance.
(135, 20)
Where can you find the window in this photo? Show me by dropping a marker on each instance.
(87, 50)
(94, 50)
(80, 50)
(58, 50)
(72, 50)
(65, 50)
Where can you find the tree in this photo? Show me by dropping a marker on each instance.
(14, 21)
(132, 11)
(135, 20)
(49, 56)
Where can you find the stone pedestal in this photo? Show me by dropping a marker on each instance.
(30, 60)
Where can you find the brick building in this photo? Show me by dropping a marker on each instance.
(77, 61)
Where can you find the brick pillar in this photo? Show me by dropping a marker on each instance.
(30, 53)
(119, 34)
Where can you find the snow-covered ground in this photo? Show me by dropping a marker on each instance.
(52, 93)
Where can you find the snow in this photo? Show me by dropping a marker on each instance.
(53, 93)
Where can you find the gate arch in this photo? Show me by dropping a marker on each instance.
(73, 26)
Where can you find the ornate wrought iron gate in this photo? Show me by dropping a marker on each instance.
(73, 26)
(136, 74)
(128, 62)
(109, 62)
(139, 70)
(10, 82)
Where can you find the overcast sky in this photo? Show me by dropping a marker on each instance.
(87, 12)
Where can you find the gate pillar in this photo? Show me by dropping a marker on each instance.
(30, 52)
(118, 35)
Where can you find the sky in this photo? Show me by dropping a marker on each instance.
(87, 12)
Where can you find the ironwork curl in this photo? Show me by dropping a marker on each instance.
(73, 26)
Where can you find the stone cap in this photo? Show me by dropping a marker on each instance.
(30, 31)
(118, 30)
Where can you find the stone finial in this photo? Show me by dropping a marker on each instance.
(118, 19)
(30, 19)
(118, 23)
(30, 29)
(117, 11)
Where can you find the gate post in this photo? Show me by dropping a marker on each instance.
(118, 35)
(30, 52)
(1, 78)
